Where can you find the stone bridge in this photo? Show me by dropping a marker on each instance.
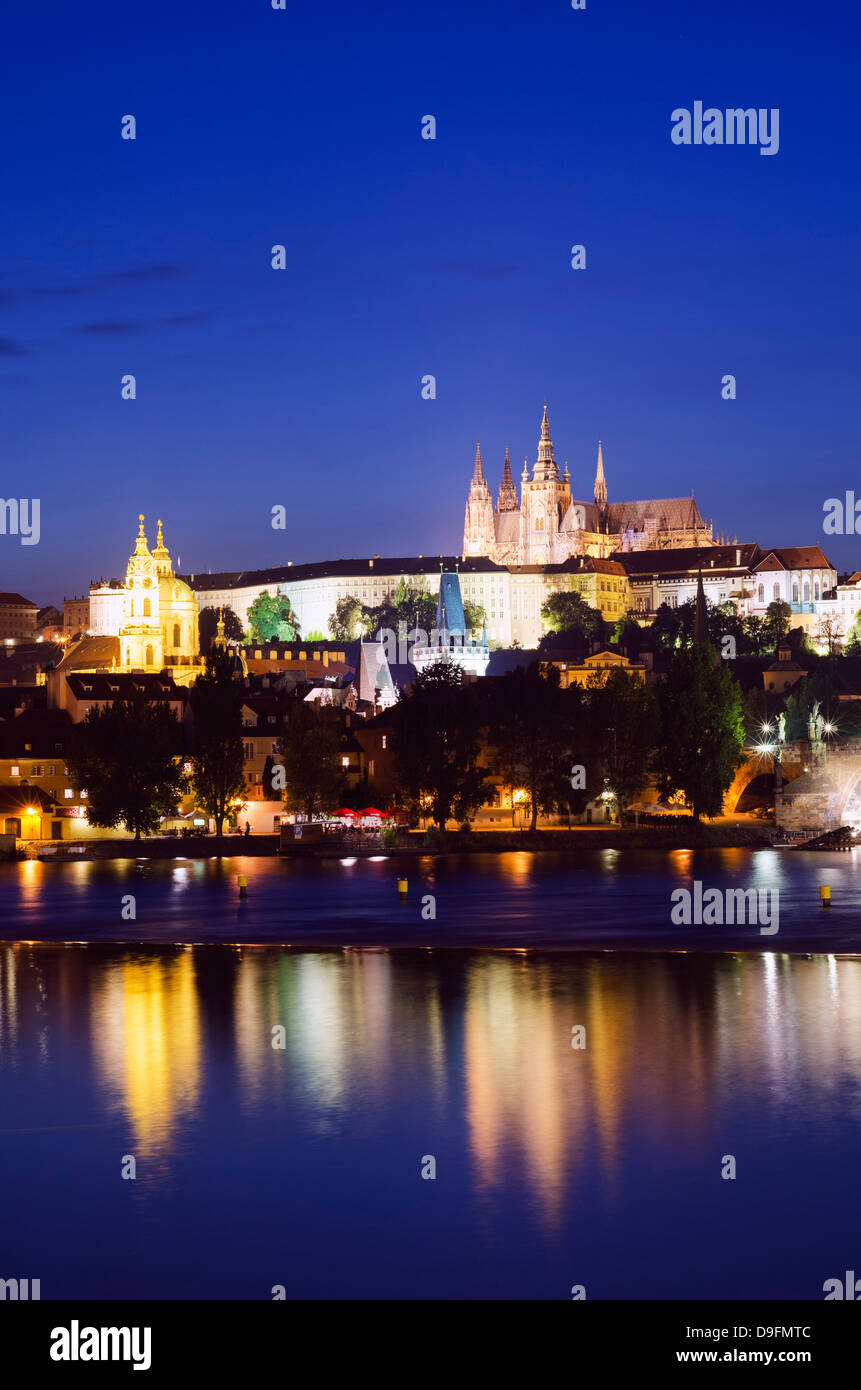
(821, 785)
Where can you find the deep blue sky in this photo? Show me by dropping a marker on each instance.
(408, 256)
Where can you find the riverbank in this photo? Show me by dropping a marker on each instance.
(676, 834)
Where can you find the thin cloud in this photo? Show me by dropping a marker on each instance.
(113, 328)
(157, 273)
(116, 327)
(9, 347)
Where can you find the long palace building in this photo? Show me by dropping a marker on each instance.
(745, 575)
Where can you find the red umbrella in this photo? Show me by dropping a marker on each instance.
(372, 811)
(344, 811)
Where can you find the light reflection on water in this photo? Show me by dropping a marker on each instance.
(555, 1165)
(615, 898)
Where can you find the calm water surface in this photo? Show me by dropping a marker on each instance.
(302, 1166)
(600, 898)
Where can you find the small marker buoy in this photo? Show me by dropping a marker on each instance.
(402, 888)
(825, 894)
(243, 886)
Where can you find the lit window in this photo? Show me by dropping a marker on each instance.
(16, 771)
(68, 793)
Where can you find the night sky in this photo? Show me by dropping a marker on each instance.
(407, 257)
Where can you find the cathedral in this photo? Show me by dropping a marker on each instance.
(548, 526)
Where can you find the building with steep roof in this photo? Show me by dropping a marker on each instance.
(450, 640)
(548, 525)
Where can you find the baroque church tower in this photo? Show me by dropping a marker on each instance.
(159, 629)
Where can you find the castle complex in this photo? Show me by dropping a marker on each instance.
(548, 526)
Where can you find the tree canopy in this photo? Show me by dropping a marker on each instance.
(127, 756)
(218, 766)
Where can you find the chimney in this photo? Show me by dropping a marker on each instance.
(738, 557)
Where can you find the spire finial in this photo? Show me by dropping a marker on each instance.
(140, 543)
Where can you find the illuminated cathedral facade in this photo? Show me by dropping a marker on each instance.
(547, 526)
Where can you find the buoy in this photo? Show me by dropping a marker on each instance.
(243, 886)
(402, 888)
(825, 894)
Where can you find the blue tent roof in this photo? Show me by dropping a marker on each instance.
(449, 608)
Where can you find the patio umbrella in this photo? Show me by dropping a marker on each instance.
(344, 811)
(372, 811)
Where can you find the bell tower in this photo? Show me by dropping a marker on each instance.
(545, 498)
(141, 639)
(479, 535)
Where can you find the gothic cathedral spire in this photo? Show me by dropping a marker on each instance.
(479, 535)
(600, 482)
(507, 501)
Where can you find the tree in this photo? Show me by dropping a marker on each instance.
(702, 730)
(628, 636)
(474, 614)
(529, 741)
(127, 756)
(416, 608)
(437, 744)
(349, 621)
(218, 765)
(566, 612)
(756, 635)
(624, 722)
(311, 749)
(208, 625)
(778, 616)
(852, 644)
(271, 618)
(829, 632)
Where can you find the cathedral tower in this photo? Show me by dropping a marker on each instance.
(600, 483)
(479, 536)
(507, 501)
(545, 499)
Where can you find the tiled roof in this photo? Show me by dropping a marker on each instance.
(676, 513)
(8, 600)
(712, 559)
(91, 652)
(15, 799)
(799, 557)
(119, 685)
(340, 569)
